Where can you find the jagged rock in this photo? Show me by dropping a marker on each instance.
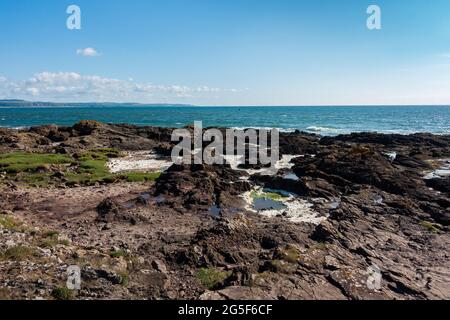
(201, 185)
(325, 232)
(159, 266)
(244, 293)
(86, 127)
(108, 209)
(111, 276)
(440, 184)
(269, 242)
(357, 164)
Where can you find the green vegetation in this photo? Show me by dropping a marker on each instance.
(285, 260)
(141, 176)
(5, 294)
(37, 180)
(432, 227)
(109, 152)
(51, 234)
(260, 279)
(281, 266)
(320, 246)
(51, 239)
(86, 168)
(18, 253)
(124, 278)
(50, 243)
(117, 253)
(273, 195)
(19, 161)
(10, 223)
(62, 293)
(212, 278)
(289, 254)
(91, 168)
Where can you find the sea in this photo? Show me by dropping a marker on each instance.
(323, 120)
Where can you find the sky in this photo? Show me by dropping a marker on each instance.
(226, 52)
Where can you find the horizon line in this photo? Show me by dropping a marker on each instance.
(69, 103)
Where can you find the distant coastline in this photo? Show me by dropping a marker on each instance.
(25, 103)
(14, 103)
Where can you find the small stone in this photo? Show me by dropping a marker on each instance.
(211, 295)
(106, 226)
(10, 243)
(141, 260)
(159, 266)
(145, 271)
(331, 263)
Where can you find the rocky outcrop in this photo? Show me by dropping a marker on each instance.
(161, 240)
(200, 186)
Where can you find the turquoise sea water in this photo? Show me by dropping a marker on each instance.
(321, 120)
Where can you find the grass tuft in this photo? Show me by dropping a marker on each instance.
(432, 227)
(50, 243)
(117, 253)
(51, 239)
(212, 278)
(141, 176)
(62, 293)
(5, 294)
(10, 223)
(289, 254)
(124, 278)
(50, 234)
(18, 253)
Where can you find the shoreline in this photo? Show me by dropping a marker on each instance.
(312, 129)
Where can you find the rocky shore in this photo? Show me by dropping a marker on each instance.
(107, 199)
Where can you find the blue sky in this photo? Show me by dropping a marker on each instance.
(227, 52)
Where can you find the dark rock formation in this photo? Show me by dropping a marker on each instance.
(382, 216)
(195, 186)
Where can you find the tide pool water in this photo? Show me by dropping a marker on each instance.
(321, 120)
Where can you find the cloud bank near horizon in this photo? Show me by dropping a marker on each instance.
(75, 87)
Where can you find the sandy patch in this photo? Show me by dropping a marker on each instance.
(139, 161)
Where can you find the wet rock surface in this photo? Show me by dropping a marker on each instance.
(162, 240)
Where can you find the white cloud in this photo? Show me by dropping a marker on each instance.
(88, 52)
(74, 87)
(33, 91)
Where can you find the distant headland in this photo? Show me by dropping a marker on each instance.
(25, 103)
